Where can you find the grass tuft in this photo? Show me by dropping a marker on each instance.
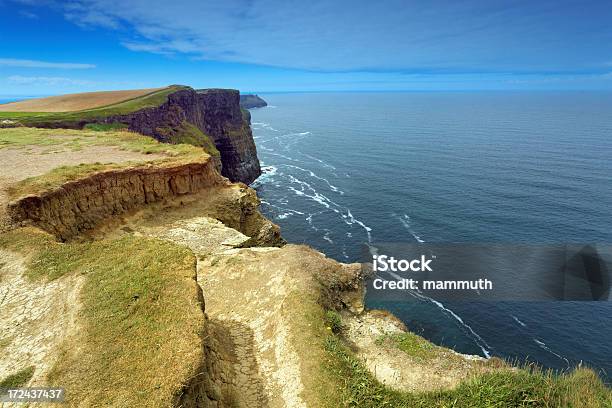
(409, 343)
(19, 379)
(333, 321)
(105, 127)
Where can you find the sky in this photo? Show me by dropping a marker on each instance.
(50, 47)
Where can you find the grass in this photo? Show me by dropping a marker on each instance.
(409, 343)
(19, 379)
(78, 139)
(188, 133)
(333, 321)
(526, 387)
(105, 127)
(140, 323)
(153, 99)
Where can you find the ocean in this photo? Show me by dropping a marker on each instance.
(344, 169)
(7, 100)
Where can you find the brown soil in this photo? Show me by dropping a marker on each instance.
(74, 102)
(20, 164)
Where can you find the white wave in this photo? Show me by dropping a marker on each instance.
(405, 220)
(263, 125)
(313, 175)
(306, 190)
(283, 212)
(477, 339)
(270, 151)
(516, 319)
(267, 173)
(292, 139)
(344, 254)
(310, 222)
(327, 238)
(354, 220)
(320, 161)
(544, 347)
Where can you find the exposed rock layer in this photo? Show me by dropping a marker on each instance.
(216, 112)
(80, 205)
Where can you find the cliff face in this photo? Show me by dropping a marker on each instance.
(252, 101)
(82, 204)
(216, 113)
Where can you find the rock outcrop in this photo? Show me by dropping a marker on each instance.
(82, 204)
(252, 101)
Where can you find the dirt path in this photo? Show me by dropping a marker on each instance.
(244, 292)
(245, 297)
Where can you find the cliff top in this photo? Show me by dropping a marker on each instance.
(76, 102)
(81, 106)
(35, 160)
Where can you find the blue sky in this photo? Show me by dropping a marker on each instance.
(51, 47)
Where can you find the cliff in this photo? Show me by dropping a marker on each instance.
(211, 119)
(172, 290)
(214, 112)
(252, 101)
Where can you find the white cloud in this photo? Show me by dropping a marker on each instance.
(437, 36)
(44, 80)
(23, 63)
(85, 16)
(28, 14)
(328, 35)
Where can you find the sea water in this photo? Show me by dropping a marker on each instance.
(344, 169)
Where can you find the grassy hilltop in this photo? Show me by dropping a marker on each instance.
(45, 113)
(124, 102)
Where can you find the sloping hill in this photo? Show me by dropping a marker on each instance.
(75, 102)
(27, 115)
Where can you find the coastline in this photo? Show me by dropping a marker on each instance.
(193, 243)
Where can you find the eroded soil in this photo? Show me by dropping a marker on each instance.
(35, 317)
